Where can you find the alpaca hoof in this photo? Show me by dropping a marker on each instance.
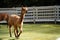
(17, 37)
(10, 36)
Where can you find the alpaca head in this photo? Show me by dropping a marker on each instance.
(24, 10)
(6, 16)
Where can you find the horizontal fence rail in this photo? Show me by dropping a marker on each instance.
(36, 14)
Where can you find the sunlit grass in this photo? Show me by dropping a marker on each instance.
(33, 32)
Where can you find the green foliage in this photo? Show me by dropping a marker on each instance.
(18, 3)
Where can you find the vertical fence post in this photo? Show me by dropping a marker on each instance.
(55, 13)
(57, 7)
(34, 11)
(37, 14)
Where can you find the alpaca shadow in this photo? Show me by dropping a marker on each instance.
(11, 39)
(8, 39)
(0, 26)
(1, 39)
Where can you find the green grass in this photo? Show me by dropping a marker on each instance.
(33, 32)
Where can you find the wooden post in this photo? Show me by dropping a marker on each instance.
(55, 14)
(57, 11)
(34, 11)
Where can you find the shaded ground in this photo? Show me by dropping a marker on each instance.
(33, 32)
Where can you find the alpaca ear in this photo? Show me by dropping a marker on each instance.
(24, 5)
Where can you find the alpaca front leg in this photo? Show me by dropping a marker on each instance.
(10, 31)
(16, 32)
(20, 31)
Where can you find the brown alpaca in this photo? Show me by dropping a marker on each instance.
(3, 16)
(17, 22)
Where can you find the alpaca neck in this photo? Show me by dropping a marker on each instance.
(6, 17)
(22, 17)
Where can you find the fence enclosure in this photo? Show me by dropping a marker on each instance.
(36, 14)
